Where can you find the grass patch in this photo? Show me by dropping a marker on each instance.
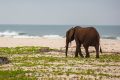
(81, 72)
(110, 58)
(109, 75)
(24, 50)
(18, 50)
(46, 65)
(15, 75)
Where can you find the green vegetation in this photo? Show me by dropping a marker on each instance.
(31, 63)
(23, 50)
(15, 75)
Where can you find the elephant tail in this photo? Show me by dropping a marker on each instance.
(100, 49)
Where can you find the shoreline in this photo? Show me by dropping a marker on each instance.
(107, 45)
(41, 41)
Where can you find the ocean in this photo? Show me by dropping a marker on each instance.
(53, 31)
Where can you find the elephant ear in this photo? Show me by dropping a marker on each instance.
(71, 34)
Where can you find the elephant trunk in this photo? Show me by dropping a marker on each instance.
(67, 43)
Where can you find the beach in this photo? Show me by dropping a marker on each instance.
(41, 63)
(107, 45)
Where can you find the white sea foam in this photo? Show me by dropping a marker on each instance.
(15, 34)
(8, 33)
(25, 36)
(118, 38)
(109, 37)
(52, 36)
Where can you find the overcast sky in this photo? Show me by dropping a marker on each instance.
(75, 12)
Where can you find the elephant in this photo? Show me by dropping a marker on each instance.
(86, 36)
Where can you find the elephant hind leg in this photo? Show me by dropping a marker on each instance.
(97, 51)
(86, 50)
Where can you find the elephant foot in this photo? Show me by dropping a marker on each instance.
(87, 56)
(81, 56)
(97, 56)
(76, 56)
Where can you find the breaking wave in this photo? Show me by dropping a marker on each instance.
(8, 33)
(110, 37)
(52, 36)
(14, 34)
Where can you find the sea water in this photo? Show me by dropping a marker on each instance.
(53, 31)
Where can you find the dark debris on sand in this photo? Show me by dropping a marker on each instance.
(4, 60)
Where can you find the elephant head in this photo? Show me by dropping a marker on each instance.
(70, 37)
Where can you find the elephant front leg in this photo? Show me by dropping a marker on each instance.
(78, 49)
(76, 52)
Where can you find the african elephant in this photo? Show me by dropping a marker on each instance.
(87, 36)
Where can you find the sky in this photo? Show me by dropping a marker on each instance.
(60, 12)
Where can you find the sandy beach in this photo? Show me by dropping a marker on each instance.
(54, 63)
(107, 45)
